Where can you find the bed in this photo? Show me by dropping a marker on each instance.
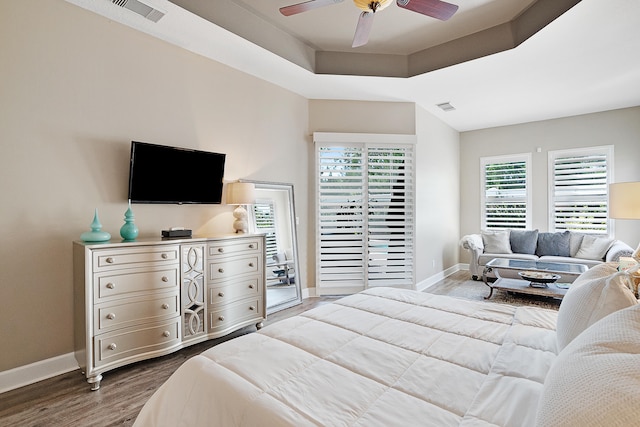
(387, 357)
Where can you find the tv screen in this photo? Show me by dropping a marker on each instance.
(162, 174)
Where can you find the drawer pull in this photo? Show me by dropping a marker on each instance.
(221, 250)
(165, 279)
(110, 286)
(165, 306)
(164, 256)
(111, 316)
(166, 334)
(110, 260)
(221, 318)
(250, 264)
(112, 346)
(221, 270)
(220, 294)
(252, 246)
(252, 308)
(250, 286)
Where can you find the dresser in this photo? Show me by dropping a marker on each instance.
(147, 298)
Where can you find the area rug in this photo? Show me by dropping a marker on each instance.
(477, 291)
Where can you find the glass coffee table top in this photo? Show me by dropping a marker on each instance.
(525, 264)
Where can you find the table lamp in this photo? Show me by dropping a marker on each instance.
(624, 203)
(240, 193)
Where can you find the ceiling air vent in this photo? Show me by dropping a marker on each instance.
(140, 8)
(446, 106)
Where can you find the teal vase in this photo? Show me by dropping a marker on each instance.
(129, 231)
(96, 234)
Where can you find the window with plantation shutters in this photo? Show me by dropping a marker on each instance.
(578, 193)
(265, 222)
(365, 214)
(506, 194)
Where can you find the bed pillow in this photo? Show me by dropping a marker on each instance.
(593, 247)
(595, 380)
(523, 241)
(589, 301)
(496, 242)
(554, 244)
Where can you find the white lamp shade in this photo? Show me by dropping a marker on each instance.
(241, 193)
(624, 200)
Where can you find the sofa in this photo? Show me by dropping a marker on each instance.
(567, 246)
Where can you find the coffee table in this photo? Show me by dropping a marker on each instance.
(567, 272)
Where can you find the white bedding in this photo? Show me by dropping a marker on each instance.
(383, 357)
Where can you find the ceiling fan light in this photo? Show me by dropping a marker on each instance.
(366, 5)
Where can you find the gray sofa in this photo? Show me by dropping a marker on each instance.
(565, 246)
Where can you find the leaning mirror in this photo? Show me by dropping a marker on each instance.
(273, 214)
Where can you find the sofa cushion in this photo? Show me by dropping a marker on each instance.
(588, 301)
(594, 247)
(574, 243)
(556, 244)
(524, 241)
(496, 242)
(595, 380)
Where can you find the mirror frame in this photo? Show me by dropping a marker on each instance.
(294, 241)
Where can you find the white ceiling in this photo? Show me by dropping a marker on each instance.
(587, 60)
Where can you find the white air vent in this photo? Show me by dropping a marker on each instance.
(140, 8)
(445, 106)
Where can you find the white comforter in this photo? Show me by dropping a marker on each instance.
(383, 357)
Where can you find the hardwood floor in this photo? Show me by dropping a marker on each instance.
(66, 400)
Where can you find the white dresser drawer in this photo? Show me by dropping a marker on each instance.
(245, 246)
(134, 311)
(135, 257)
(233, 267)
(233, 290)
(229, 316)
(121, 284)
(124, 343)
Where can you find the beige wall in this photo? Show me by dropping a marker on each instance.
(75, 90)
(620, 128)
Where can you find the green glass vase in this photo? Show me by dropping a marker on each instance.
(129, 231)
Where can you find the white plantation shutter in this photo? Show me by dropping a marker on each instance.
(365, 219)
(579, 189)
(506, 196)
(265, 222)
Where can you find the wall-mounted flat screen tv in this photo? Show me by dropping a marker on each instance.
(172, 175)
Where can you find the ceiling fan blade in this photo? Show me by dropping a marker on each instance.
(434, 8)
(294, 9)
(365, 22)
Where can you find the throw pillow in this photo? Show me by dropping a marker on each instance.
(554, 244)
(524, 242)
(496, 242)
(593, 247)
(590, 301)
(595, 380)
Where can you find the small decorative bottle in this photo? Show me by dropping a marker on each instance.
(129, 231)
(96, 234)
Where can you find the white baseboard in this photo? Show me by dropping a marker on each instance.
(37, 371)
(430, 281)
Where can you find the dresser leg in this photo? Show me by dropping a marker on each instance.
(259, 325)
(95, 382)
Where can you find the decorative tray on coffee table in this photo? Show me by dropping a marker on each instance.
(539, 279)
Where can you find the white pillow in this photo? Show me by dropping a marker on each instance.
(595, 380)
(593, 247)
(590, 301)
(496, 242)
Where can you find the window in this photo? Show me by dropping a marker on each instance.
(265, 222)
(506, 194)
(579, 191)
(365, 219)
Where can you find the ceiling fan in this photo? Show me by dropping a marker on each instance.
(434, 8)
